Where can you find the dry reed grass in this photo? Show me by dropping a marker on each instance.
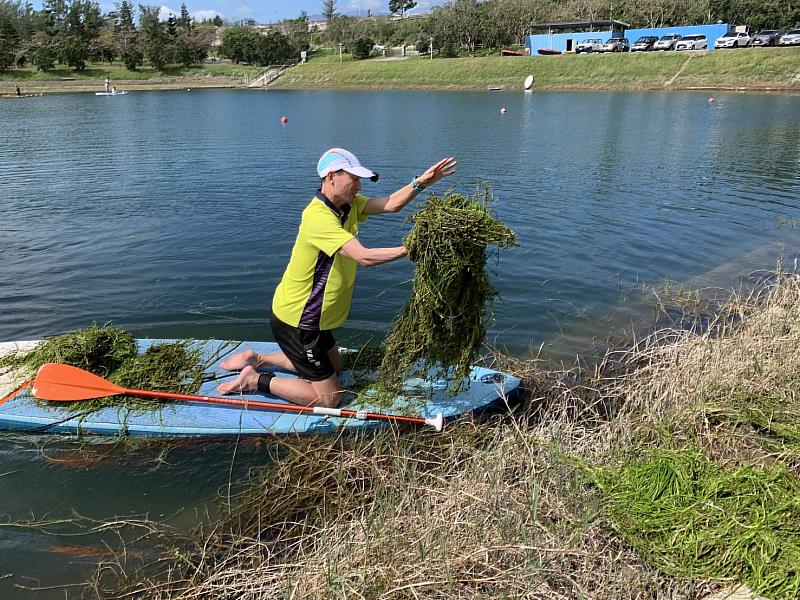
(501, 508)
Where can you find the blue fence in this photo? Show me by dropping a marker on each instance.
(566, 42)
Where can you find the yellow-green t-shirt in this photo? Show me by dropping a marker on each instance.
(317, 287)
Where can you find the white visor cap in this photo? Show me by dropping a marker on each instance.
(337, 159)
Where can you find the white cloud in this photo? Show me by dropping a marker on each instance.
(206, 15)
(364, 5)
(165, 11)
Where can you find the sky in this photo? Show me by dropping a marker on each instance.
(266, 11)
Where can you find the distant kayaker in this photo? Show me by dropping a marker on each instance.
(106, 84)
(316, 290)
(114, 90)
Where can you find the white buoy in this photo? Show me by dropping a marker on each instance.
(503, 110)
(528, 82)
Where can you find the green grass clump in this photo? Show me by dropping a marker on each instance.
(696, 519)
(443, 324)
(99, 350)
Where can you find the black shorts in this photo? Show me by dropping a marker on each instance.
(306, 348)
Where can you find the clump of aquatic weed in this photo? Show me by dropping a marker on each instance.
(112, 353)
(97, 349)
(443, 324)
(693, 518)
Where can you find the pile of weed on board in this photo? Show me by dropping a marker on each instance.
(696, 519)
(99, 350)
(111, 352)
(443, 324)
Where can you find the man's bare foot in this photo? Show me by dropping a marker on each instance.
(246, 381)
(237, 362)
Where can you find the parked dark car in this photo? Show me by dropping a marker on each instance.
(616, 44)
(644, 43)
(766, 37)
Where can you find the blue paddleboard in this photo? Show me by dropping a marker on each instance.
(420, 397)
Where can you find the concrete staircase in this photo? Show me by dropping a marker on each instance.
(267, 76)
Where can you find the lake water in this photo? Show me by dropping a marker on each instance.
(173, 214)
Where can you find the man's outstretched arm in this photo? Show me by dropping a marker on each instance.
(370, 257)
(399, 199)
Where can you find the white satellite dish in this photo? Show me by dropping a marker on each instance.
(528, 82)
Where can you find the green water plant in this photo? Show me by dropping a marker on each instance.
(112, 352)
(443, 324)
(97, 349)
(696, 519)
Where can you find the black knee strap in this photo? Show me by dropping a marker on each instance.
(263, 382)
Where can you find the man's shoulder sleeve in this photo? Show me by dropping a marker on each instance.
(360, 206)
(322, 229)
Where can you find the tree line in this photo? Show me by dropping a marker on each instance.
(75, 32)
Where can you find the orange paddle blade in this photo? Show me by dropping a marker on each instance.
(63, 383)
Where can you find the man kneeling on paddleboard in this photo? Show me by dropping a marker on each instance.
(316, 290)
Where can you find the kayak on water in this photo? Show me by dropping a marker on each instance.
(423, 398)
(110, 93)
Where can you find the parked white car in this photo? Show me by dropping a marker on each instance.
(667, 42)
(733, 39)
(589, 45)
(790, 38)
(696, 41)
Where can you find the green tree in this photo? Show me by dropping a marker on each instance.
(401, 6)
(192, 46)
(128, 50)
(185, 21)
(57, 11)
(43, 53)
(362, 47)
(73, 52)
(271, 49)
(329, 9)
(103, 47)
(125, 12)
(154, 41)
(297, 33)
(9, 39)
(217, 21)
(239, 44)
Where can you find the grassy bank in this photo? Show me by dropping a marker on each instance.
(747, 69)
(31, 80)
(669, 471)
(750, 68)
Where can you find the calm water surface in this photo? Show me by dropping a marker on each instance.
(173, 214)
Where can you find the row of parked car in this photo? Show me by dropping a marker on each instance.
(675, 41)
